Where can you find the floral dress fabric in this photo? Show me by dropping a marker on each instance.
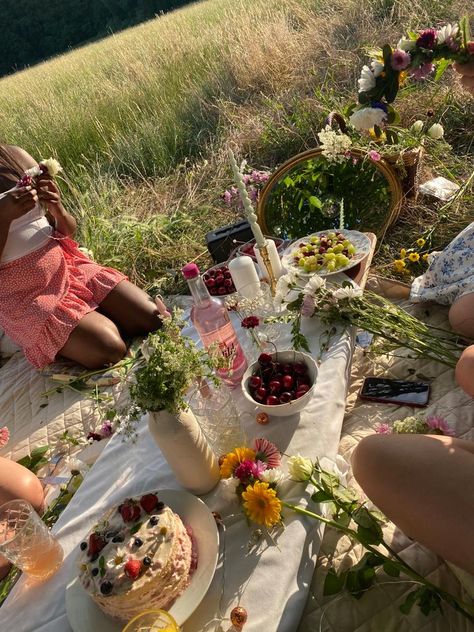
(450, 274)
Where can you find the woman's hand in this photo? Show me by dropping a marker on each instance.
(467, 72)
(17, 203)
(49, 194)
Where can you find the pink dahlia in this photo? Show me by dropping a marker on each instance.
(227, 197)
(250, 322)
(438, 425)
(4, 436)
(383, 429)
(250, 469)
(400, 59)
(374, 155)
(422, 71)
(427, 39)
(267, 452)
(107, 429)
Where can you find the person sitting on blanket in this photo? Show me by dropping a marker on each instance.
(54, 300)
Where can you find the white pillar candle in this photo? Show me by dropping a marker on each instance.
(245, 277)
(244, 196)
(275, 261)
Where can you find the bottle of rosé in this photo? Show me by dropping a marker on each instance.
(212, 322)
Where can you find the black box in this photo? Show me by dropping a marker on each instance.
(223, 241)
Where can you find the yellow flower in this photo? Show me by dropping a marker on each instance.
(421, 242)
(262, 504)
(402, 77)
(378, 139)
(399, 264)
(425, 256)
(233, 459)
(414, 256)
(403, 253)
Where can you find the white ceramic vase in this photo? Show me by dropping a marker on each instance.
(186, 449)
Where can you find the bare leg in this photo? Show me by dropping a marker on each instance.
(461, 315)
(132, 310)
(465, 371)
(95, 342)
(424, 484)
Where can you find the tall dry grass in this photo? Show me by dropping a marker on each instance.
(140, 120)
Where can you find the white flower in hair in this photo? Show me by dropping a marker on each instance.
(343, 293)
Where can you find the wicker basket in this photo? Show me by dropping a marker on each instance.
(407, 165)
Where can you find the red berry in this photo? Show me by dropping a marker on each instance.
(227, 275)
(302, 380)
(132, 568)
(260, 394)
(211, 273)
(264, 358)
(149, 502)
(130, 511)
(287, 369)
(304, 388)
(96, 544)
(221, 291)
(272, 400)
(224, 270)
(219, 279)
(275, 386)
(228, 283)
(255, 381)
(300, 368)
(210, 282)
(285, 397)
(287, 382)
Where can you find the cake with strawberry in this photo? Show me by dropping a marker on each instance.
(140, 554)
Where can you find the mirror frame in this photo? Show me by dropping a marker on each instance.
(384, 167)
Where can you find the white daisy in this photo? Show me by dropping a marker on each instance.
(366, 118)
(274, 475)
(377, 67)
(343, 293)
(447, 33)
(314, 284)
(367, 79)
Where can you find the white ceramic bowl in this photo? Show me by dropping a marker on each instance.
(295, 406)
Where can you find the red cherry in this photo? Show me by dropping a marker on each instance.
(300, 368)
(211, 273)
(264, 359)
(272, 400)
(302, 390)
(275, 386)
(287, 382)
(260, 393)
(210, 282)
(255, 381)
(219, 279)
(285, 397)
(224, 269)
(302, 381)
(287, 369)
(228, 283)
(221, 290)
(227, 275)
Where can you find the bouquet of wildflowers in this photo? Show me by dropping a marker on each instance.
(254, 180)
(416, 425)
(254, 476)
(348, 305)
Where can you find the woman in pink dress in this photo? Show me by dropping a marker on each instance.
(55, 301)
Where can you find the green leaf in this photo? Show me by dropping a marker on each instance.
(392, 137)
(369, 536)
(316, 202)
(25, 461)
(342, 518)
(363, 518)
(441, 68)
(321, 497)
(377, 131)
(391, 569)
(410, 601)
(102, 565)
(333, 583)
(136, 527)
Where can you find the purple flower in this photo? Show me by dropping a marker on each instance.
(227, 197)
(427, 39)
(250, 322)
(400, 59)
(250, 469)
(374, 155)
(422, 71)
(438, 425)
(383, 429)
(107, 429)
(246, 178)
(379, 105)
(253, 194)
(307, 309)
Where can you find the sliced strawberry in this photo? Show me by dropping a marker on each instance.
(133, 568)
(149, 502)
(96, 544)
(130, 511)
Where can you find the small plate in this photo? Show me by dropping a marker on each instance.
(85, 615)
(360, 241)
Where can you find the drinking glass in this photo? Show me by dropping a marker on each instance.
(152, 621)
(261, 305)
(26, 541)
(218, 417)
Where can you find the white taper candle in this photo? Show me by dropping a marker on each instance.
(246, 201)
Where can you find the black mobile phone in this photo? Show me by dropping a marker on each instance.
(379, 389)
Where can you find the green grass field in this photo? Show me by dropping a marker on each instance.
(140, 121)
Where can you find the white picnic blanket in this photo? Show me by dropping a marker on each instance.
(271, 580)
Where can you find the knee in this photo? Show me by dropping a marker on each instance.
(110, 348)
(465, 371)
(461, 315)
(368, 459)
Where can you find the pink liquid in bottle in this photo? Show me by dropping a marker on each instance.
(212, 322)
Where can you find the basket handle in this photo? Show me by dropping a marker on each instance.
(335, 117)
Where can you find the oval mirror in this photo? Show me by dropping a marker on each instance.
(306, 193)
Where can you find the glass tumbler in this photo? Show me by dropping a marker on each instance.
(152, 621)
(218, 417)
(26, 541)
(261, 305)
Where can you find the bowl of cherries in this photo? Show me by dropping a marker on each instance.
(218, 281)
(280, 383)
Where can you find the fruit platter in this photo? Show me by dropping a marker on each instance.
(326, 252)
(219, 281)
(280, 383)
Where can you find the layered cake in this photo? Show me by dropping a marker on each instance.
(139, 556)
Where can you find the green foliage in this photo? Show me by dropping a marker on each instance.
(36, 459)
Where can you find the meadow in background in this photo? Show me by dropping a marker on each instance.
(140, 120)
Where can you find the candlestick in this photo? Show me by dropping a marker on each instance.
(245, 277)
(264, 261)
(248, 207)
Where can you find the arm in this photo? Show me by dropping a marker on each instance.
(49, 195)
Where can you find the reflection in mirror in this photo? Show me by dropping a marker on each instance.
(306, 196)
